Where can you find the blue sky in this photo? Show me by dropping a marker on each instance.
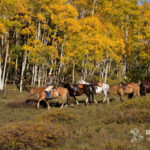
(143, 0)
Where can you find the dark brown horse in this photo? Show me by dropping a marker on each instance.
(144, 88)
(60, 91)
(79, 89)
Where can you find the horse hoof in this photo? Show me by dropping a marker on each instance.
(95, 101)
(77, 103)
(61, 107)
(66, 105)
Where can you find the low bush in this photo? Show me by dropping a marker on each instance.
(129, 116)
(30, 135)
(133, 116)
(59, 115)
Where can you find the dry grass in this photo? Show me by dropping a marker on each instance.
(30, 135)
(95, 127)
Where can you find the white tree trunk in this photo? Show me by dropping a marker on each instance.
(23, 69)
(1, 85)
(3, 70)
(35, 75)
(16, 70)
(39, 77)
(32, 79)
(93, 9)
(7, 72)
(124, 65)
(73, 73)
(61, 55)
(106, 72)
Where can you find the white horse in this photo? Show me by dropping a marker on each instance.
(99, 88)
(102, 87)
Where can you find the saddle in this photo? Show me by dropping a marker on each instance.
(123, 86)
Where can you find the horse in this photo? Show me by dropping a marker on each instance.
(122, 89)
(99, 88)
(144, 88)
(102, 87)
(79, 89)
(60, 91)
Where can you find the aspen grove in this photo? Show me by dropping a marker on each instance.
(92, 39)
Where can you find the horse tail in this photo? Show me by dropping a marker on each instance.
(68, 96)
(142, 90)
(109, 94)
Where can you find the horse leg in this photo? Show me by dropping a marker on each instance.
(38, 104)
(93, 99)
(48, 106)
(106, 98)
(62, 104)
(76, 100)
(121, 99)
(89, 100)
(86, 101)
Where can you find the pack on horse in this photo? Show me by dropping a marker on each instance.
(144, 88)
(60, 91)
(102, 87)
(122, 88)
(79, 89)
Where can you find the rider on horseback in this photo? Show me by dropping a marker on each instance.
(49, 86)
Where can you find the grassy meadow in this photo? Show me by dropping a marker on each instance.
(79, 127)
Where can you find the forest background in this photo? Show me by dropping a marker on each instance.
(98, 40)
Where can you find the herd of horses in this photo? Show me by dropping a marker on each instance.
(67, 90)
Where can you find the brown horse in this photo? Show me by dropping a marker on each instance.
(122, 89)
(60, 91)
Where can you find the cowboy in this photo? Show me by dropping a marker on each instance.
(50, 79)
(49, 86)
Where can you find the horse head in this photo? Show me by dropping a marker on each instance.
(31, 92)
